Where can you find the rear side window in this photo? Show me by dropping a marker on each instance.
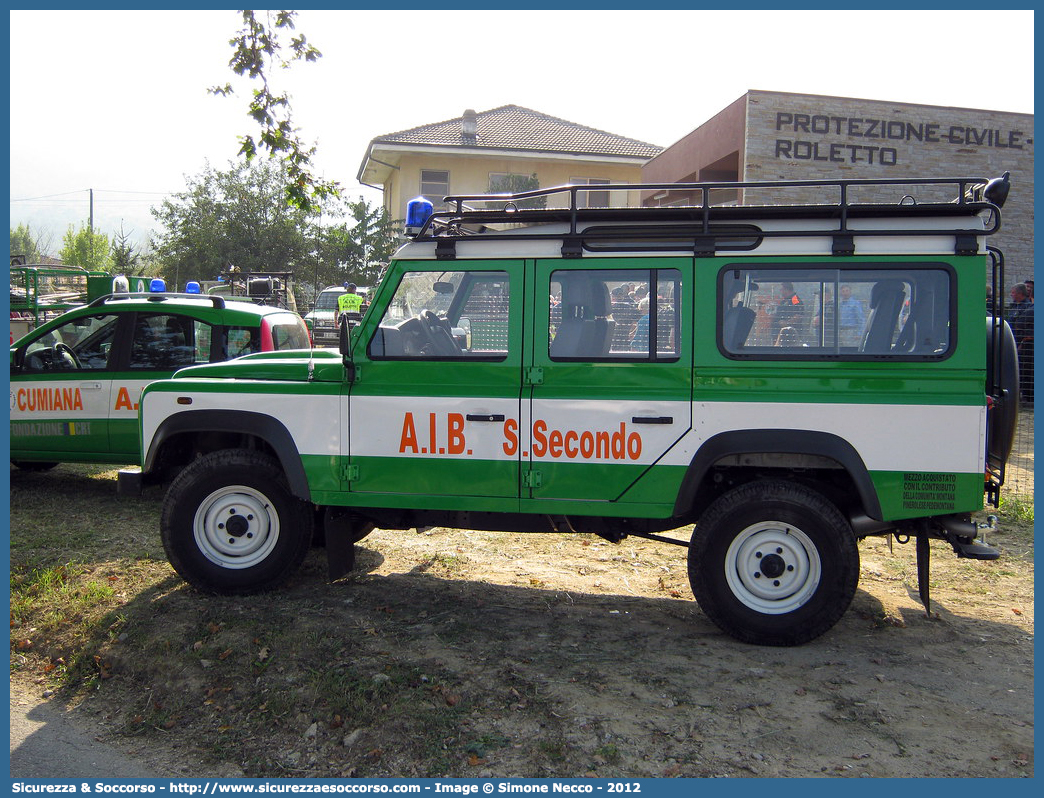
(243, 341)
(896, 311)
(618, 314)
(167, 341)
(284, 331)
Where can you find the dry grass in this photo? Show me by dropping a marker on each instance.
(466, 653)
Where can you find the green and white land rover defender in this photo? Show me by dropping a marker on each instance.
(802, 366)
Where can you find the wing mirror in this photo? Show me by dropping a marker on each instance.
(344, 345)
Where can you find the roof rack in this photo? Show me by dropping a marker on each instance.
(157, 296)
(698, 226)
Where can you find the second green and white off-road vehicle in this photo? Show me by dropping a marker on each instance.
(802, 367)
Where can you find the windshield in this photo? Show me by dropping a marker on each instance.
(327, 300)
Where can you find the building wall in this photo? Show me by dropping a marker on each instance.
(806, 137)
(794, 136)
(469, 174)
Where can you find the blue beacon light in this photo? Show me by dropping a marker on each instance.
(418, 211)
(157, 286)
(192, 287)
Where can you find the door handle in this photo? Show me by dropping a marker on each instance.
(652, 420)
(91, 386)
(484, 417)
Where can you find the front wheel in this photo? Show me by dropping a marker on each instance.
(231, 525)
(773, 563)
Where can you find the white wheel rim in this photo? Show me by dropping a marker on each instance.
(236, 527)
(772, 567)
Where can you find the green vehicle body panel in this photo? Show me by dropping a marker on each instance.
(699, 377)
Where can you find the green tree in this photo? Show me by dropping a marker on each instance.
(355, 246)
(26, 242)
(516, 184)
(234, 218)
(87, 248)
(256, 53)
(125, 257)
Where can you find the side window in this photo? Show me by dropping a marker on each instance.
(164, 341)
(434, 185)
(83, 343)
(621, 314)
(591, 199)
(204, 341)
(484, 317)
(243, 341)
(288, 332)
(828, 312)
(446, 316)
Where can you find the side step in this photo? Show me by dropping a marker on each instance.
(962, 534)
(973, 549)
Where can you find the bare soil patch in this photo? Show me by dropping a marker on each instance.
(463, 653)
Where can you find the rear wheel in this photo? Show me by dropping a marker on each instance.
(773, 563)
(231, 525)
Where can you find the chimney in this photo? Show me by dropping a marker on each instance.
(469, 127)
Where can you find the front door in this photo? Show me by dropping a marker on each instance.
(610, 378)
(61, 384)
(435, 405)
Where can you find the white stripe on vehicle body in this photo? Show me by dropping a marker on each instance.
(437, 427)
(313, 421)
(885, 436)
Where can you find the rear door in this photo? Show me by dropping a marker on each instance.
(157, 345)
(609, 381)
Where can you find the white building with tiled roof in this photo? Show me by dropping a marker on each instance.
(509, 148)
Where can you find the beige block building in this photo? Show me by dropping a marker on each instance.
(781, 136)
(502, 150)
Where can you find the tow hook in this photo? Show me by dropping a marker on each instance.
(962, 536)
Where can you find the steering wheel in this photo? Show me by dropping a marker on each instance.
(438, 332)
(67, 355)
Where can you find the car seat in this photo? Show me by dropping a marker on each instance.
(586, 329)
(180, 351)
(886, 301)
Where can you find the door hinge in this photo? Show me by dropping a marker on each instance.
(349, 473)
(531, 479)
(534, 375)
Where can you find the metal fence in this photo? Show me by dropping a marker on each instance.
(1018, 478)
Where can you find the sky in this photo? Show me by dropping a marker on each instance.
(116, 101)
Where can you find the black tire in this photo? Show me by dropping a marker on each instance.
(773, 563)
(273, 528)
(32, 465)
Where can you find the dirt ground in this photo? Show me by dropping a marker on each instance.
(457, 653)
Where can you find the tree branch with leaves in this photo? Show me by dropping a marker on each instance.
(257, 52)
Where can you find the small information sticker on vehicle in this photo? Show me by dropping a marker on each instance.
(927, 491)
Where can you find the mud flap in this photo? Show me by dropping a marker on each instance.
(924, 555)
(340, 544)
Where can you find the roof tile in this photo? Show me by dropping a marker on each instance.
(517, 128)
